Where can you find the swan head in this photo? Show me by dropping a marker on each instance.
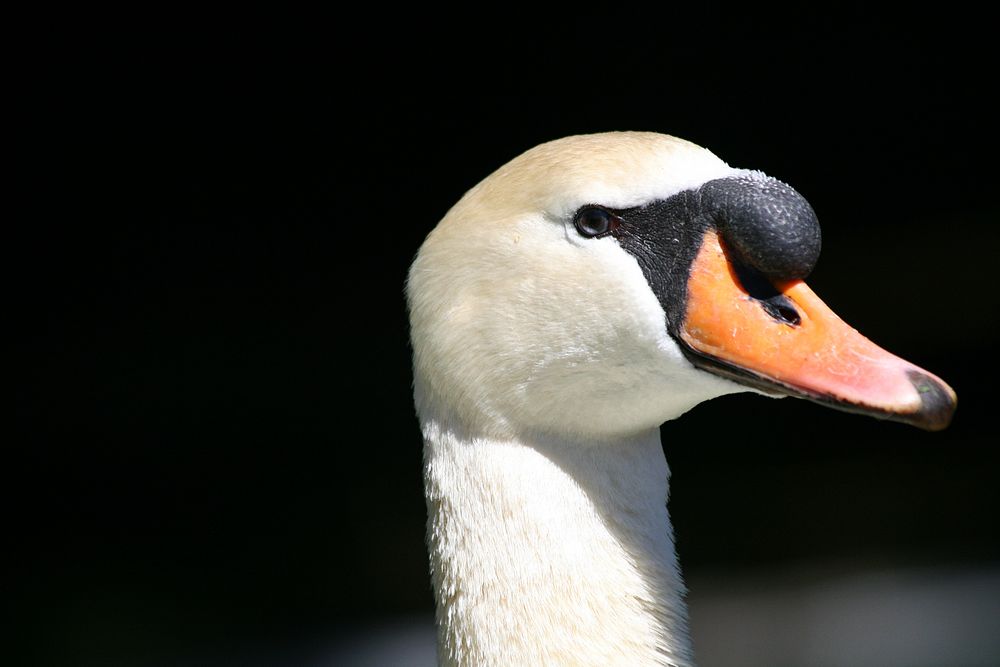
(599, 285)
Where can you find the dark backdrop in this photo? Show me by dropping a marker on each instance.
(221, 450)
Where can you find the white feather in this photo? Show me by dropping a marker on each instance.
(542, 370)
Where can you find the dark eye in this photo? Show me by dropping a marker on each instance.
(595, 222)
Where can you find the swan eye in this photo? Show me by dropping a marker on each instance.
(594, 222)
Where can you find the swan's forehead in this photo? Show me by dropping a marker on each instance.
(618, 169)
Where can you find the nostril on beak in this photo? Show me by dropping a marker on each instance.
(782, 309)
(759, 288)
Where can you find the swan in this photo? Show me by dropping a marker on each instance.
(584, 293)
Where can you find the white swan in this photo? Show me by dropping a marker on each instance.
(578, 297)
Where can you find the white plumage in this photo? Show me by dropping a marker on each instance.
(543, 369)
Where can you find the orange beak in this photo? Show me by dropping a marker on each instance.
(792, 343)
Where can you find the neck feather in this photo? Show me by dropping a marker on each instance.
(550, 552)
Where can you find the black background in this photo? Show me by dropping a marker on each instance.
(220, 448)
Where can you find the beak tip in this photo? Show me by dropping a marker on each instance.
(937, 402)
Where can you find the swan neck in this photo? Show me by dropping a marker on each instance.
(552, 552)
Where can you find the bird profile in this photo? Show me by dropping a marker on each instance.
(586, 292)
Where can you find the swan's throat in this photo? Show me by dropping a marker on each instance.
(552, 553)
